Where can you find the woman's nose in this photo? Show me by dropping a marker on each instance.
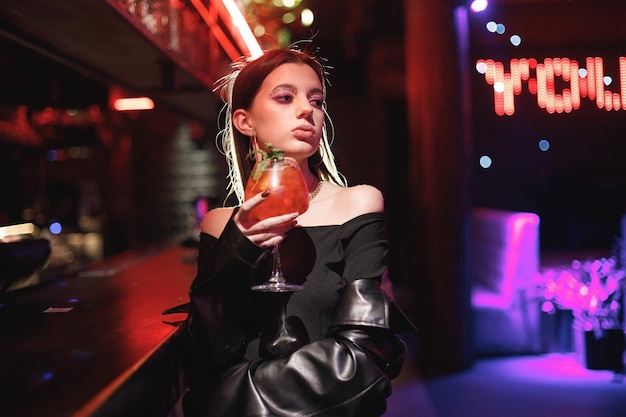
(305, 111)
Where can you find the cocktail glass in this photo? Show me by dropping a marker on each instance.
(288, 194)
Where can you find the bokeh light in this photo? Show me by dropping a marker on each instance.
(485, 161)
(479, 5)
(307, 17)
(55, 228)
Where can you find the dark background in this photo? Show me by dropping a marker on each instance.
(578, 187)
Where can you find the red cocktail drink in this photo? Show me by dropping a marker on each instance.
(284, 180)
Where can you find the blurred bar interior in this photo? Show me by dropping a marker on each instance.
(496, 135)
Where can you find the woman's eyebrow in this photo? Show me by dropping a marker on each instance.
(292, 88)
(283, 87)
(315, 91)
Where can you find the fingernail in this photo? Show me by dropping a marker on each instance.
(294, 215)
(265, 193)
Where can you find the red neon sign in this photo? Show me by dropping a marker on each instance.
(541, 79)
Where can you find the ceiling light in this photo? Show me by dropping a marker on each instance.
(133, 103)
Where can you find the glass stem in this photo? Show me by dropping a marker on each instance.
(277, 273)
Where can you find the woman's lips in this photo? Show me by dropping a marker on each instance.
(304, 132)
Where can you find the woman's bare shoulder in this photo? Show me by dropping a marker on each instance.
(214, 222)
(337, 205)
(362, 198)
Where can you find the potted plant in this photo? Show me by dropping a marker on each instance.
(593, 291)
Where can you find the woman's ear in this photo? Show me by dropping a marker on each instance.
(242, 122)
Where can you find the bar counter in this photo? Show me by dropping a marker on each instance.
(95, 343)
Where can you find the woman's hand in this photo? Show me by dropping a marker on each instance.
(264, 233)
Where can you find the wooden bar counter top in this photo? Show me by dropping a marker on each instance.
(95, 343)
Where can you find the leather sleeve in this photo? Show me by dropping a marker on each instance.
(220, 319)
(346, 374)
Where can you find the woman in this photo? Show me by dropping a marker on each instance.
(325, 350)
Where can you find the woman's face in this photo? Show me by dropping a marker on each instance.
(288, 110)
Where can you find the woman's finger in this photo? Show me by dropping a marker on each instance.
(278, 224)
(269, 228)
(254, 201)
(266, 243)
(267, 232)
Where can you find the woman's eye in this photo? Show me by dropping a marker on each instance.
(285, 98)
(317, 102)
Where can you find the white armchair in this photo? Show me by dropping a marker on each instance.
(505, 264)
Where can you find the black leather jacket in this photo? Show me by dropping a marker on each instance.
(347, 373)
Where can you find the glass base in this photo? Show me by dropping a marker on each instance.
(271, 286)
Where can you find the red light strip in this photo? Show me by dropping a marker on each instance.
(219, 34)
(543, 84)
(240, 23)
(238, 26)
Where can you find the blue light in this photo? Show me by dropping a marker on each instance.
(47, 376)
(55, 228)
(485, 161)
(544, 144)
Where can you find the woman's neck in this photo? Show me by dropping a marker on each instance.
(310, 178)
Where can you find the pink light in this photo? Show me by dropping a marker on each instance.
(238, 28)
(519, 252)
(548, 307)
(516, 260)
(479, 5)
(543, 84)
(556, 368)
(133, 103)
(240, 23)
